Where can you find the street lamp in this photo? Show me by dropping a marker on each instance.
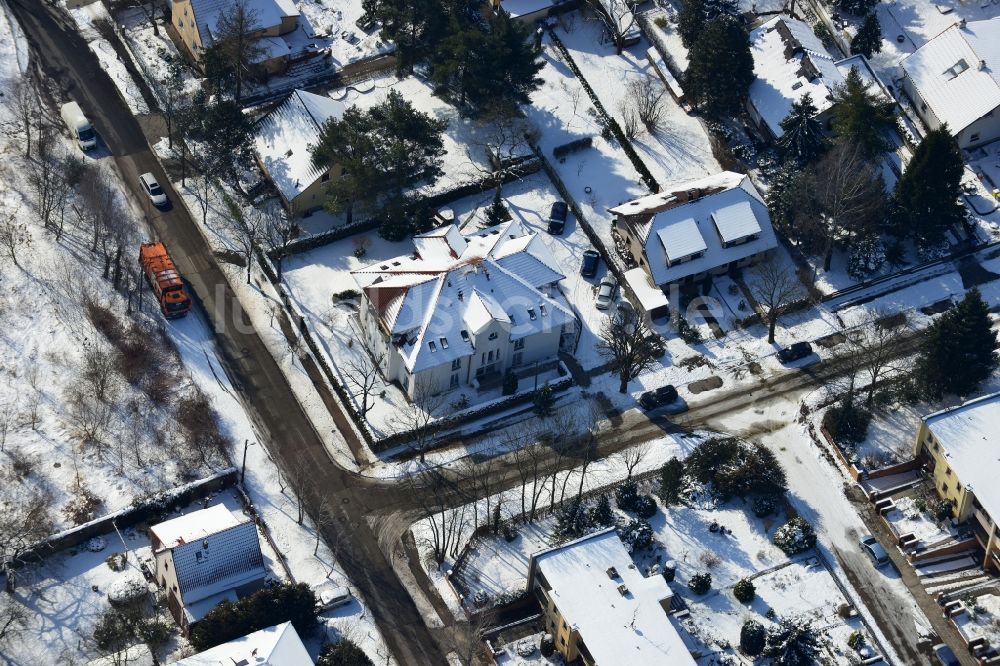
(243, 470)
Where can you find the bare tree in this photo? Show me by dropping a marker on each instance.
(633, 456)
(14, 236)
(13, 618)
(173, 99)
(44, 173)
(244, 229)
(502, 134)
(433, 490)
(417, 417)
(7, 413)
(278, 231)
(149, 8)
(22, 104)
(618, 20)
(646, 94)
(630, 119)
(628, 345)
(876, 345)
(25, 519)
(362, 372)
(529, 459)
(774, 287)
(841, 197)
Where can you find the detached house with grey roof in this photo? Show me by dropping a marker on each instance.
(462, 310)
(204, 558)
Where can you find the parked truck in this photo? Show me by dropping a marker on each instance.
(79, 127)
(165, 280)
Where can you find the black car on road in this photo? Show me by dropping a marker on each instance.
(661, 396)
(797, 351)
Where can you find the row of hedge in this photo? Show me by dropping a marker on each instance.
(612, 124)
(314, 241)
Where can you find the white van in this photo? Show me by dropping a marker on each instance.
(79, 127)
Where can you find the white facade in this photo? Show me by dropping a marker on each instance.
(954, 79)
(463, 310)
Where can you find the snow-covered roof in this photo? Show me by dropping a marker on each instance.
(698, 216)
(956, 72)
(279, 645)
(620, 614)
(436, 300)
(213, 551)
(516, 8)
(650, 296)
(285, 136)
(268, 14)
(788, 62)
(970, 436)
(194, 526)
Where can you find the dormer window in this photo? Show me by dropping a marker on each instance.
(433, 346)
(465, 335)
(543, 310)
(493, 335)
(531, 314)
(444, 343)
(956, 69)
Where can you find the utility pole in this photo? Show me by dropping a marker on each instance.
(243, 470)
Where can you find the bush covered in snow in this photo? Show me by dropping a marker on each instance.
(265, 608)
(129, 588)
(764, 505)
(636, 534)
(866, 258)
(626, 495)
(744, 591)
(548, 646)
(700, 583)
(735, 467)
(601, 513)
(572, 520)
(792, 643)
(753, 636)
(795, 536)
(645, 506)
(847, 424)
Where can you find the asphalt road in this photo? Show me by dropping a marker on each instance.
(62, 54)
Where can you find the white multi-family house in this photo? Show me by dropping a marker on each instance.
(789, 60)
(204, 558)
(954, 78)
(692, 230)
(462, 310)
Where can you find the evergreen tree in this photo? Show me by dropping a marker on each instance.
(343, 653)
(927, 195)
(753, 636)
(781, 193)
(695, 14)
(228, 135)
(414, 26)
(497, 211)
(858, 7)
(572, 520)
(803, 140)
(792, 643)
(487, 69)
(958, 351)
(382, 151)
(868, 41)
(862, 115)
(544, 402)
(671, 481)
(720, 68)
(602, 514)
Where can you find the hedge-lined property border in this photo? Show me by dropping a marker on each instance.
(313, 241)
(623, 141)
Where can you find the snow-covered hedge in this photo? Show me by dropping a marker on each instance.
(795, 536)
(130, 587)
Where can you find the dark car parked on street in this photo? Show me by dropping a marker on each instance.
(661, 396)
(557, 217)
(591, 260)
(797, 351)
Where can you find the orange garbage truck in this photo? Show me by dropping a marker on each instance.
(166, 282)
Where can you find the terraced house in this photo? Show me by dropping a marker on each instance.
(959, 447)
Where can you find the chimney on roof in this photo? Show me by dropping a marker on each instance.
(982, 65)
(961, 23)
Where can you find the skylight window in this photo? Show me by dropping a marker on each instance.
(444, 343)
(531, 314)
(543, 310)
(956, 69)
(433, 346)
(465, 335)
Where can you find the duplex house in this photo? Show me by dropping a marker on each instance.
(954, 78)
(279, 645)
(282, 146)
(789, 60)
(600, 609)
(197, 23)
(692, 230)
(463, 310)
(959, 446)
(206, 557)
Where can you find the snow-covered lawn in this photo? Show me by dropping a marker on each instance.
(680, 151)
(981, 619)
(907, 518)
